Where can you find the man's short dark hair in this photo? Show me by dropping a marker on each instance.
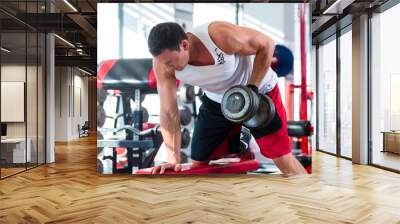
(165, 36)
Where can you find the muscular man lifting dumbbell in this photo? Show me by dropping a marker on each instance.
(215, 57)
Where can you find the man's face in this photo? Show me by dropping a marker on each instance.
(173, 59)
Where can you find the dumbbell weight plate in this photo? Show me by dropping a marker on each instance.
(185, 115)
(284, 65)
(239, 104)
(185, 138)
(101, 116)
(264, 114)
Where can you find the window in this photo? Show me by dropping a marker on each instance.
(346, 94)
(327, 97)
(385, 89)
(22, 76)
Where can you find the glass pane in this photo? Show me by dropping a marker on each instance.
(346, 94)
(385, 91)
(41, 98)
(13, 87)
(31, 98)
(327, 97)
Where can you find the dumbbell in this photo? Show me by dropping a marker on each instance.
(185, 138)
(242, 104)
(187, 93)
(101, 116)
(282, 63)
(185, 115)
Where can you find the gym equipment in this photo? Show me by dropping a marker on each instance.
(147, 147)
(235, 167)
(300, 135)
(299, 128)
(101, 116)
(144, 115)
(239, 162)
(185, 115)
(241, 104)
(154, 133)
(187, 93)
(132, 78)
(185, 138)
(283, 63)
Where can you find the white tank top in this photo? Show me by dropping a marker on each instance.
(227, 71)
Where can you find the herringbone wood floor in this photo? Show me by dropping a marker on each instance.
(70, 191)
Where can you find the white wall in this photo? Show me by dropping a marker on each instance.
(12, 73)
(70, 84)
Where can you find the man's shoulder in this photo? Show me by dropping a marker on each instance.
(222, 33)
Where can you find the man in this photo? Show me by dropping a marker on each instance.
(215, 57)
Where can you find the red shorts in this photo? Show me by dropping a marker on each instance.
(214, 136)
(276, 144)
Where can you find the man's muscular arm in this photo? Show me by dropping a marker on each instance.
(233, 39)
(169, 114)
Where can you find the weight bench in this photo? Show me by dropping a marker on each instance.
(230, 168)
(301, 130)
